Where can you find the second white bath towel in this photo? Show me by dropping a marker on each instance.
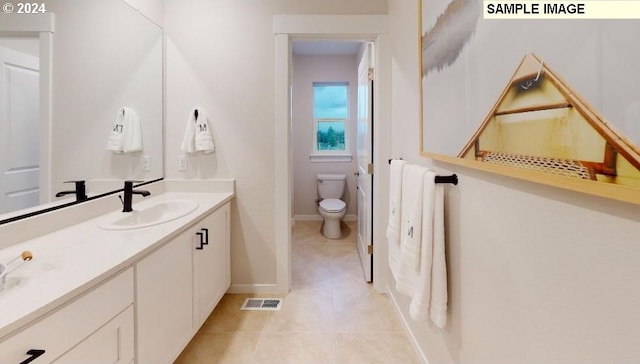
(126, 132)
(393, 226)
(410, 228)
(430, 295)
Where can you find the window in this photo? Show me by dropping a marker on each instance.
(330, 119)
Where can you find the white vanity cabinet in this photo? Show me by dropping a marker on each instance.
(178, 285)
(163, 301)
(151, 291)
(97, 327)
(211, 263)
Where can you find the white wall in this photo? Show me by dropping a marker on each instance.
(536, 274)
(220, 56)
(306, 71)
(25, 44)
(106, 55)
(152, 9)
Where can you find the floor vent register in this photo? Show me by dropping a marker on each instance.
(262, 304)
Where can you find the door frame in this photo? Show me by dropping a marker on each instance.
(287, 28)
(42, 26)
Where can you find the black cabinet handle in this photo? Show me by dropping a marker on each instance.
(35, 353)
(204, 238)
(201, 241)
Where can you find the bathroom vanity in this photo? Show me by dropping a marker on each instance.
(127, 295)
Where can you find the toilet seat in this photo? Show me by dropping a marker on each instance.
(332, 205)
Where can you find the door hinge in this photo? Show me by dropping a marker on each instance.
(370, 74)
(370, 168)
(369, 249)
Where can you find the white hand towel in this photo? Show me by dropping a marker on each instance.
(439, 290)
(393, 227)
(203, 138)
(132, 136)
(126, 134)
(430, 296)
(410, 228)
(114, 143)
(189, 140)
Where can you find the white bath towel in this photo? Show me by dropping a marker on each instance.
(203, 138)
(393, 226)
(189, 139)
(197, 136)
(430, 296)
(410, 228)
(126, 132)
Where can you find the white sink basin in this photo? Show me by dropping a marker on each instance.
(154, 214)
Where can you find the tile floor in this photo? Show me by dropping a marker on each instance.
(331, 314)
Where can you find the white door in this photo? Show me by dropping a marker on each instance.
(19, 130)
(364, 139)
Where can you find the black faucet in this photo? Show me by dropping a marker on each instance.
(80, 191)
(128, 195)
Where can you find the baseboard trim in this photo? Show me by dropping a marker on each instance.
(319, 218)
(253, 288)
(405, 325)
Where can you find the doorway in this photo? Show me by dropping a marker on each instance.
(287, 29)
(19, 123)
(331, 135)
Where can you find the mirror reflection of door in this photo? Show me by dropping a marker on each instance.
(19, 123)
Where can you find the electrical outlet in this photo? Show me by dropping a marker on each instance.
(182, 163)
(146, 163)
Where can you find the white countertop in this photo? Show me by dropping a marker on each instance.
(70, 261)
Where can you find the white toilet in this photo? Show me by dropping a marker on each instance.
(332, 209)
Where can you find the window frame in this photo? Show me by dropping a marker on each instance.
(330, 155)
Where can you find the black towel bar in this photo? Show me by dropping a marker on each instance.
(453, 179)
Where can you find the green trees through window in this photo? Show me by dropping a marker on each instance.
(330, 114)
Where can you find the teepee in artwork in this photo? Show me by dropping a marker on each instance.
(540, 123)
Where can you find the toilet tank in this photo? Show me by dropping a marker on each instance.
(331, 185)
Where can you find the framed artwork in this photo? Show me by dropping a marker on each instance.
(550, 101)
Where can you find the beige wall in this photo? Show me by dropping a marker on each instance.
(306, 71)
(536, 274)
(220, 56)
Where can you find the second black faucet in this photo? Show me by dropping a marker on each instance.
(128, 195)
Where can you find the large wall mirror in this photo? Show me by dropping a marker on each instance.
(552, 101)
(70, 78)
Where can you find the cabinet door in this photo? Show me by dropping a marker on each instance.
(164, 302)
(112, 343)
(211, 266)
(70, 325)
